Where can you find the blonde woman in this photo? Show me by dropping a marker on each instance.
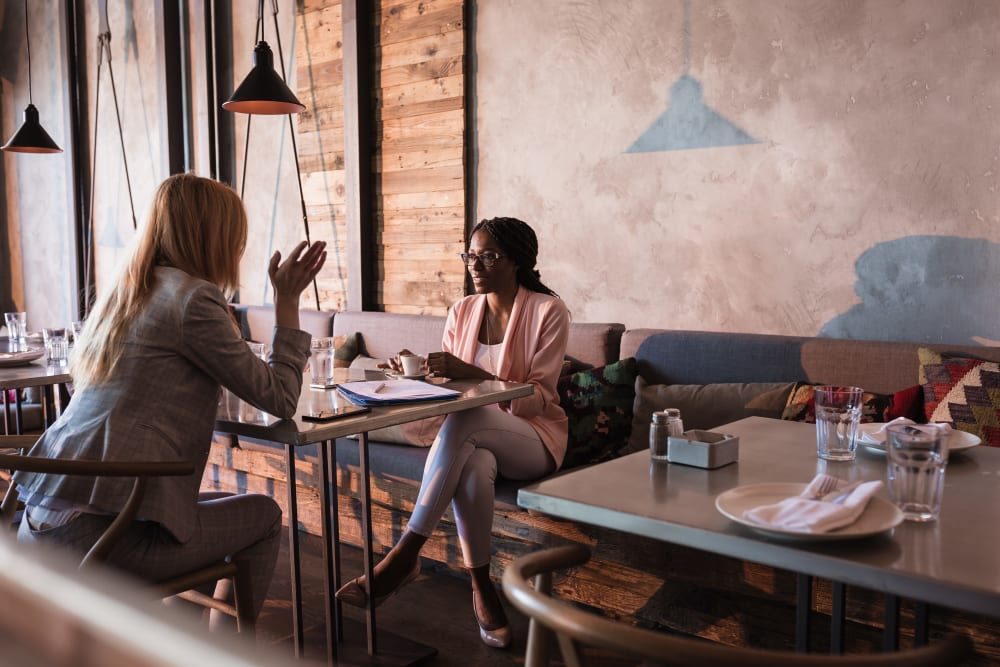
(147, 370)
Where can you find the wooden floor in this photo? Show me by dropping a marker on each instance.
(435, 609)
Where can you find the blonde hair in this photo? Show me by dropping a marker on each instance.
(197, 225)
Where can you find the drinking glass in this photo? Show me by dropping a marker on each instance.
(838, 412)
(916, 456)
(259, 349)
(56, 346)
(76, 328)
(321, 361)
(17, 324)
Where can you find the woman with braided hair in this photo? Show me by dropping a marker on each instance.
(513, 328)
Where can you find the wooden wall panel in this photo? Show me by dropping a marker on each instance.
(420, 147)
(320, 137)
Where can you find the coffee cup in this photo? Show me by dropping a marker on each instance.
(412, 364)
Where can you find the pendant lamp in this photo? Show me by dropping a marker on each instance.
(31, 137)
(263, 91)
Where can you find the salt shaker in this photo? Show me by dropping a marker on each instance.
(659, 431)
(675, 425)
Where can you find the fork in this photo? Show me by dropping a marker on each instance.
(840, 495)
(822, 485)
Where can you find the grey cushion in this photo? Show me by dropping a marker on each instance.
(705, 357)
(705, 406)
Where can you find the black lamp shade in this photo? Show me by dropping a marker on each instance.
(263, 91)
(31, 137)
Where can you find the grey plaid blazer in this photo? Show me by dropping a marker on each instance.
(161, 400)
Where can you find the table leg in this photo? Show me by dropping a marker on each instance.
(890, 636)
(803, 606)
(384, 648)
(330, 529)
(18, 415)
(838, 615)
(365, 486)
(922, 624)
(48, 405)
(293, 554)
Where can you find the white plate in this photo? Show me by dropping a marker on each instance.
(418, 376)
(880, 515)
(20, 358)
(957, 441)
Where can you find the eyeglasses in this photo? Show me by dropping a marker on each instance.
(487, 258)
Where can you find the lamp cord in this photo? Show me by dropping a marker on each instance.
(295, 148)
(27, 44)
(103, 51)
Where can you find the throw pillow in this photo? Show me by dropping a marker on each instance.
(346, 349)
(705, 406)
(598, 404)
(907, 403)
(801, 406)
(963, 392)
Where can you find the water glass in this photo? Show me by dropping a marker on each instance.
(17, 331)
(321, 362)
(56, 346)
(259, 349)
(838, 412)
(76, 328)
(916, 458)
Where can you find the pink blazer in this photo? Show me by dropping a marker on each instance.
(533, 351)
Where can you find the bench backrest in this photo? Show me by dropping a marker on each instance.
(703, 357)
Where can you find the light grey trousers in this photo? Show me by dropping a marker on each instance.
(471, 448)
(245, 526)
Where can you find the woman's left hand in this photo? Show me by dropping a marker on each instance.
(446, 364)
(292, 276)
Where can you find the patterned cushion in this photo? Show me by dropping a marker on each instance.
(598, 403)
(801, 406)
(963, 392)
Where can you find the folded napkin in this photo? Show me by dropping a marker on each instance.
(803, 514)
(878, 437)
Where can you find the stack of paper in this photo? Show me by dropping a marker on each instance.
(394, 391)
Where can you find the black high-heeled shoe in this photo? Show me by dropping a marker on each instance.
(496, 637)
(355, 591)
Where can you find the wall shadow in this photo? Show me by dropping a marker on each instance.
(925, 289)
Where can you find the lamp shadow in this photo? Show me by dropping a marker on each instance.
(925, 289)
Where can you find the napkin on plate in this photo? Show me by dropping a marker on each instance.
(803, 514)
(877, 437)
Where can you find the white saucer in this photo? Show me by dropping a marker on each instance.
(418, 376)
(957, 440)
(879, 517)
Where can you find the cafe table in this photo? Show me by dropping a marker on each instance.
(951, 562)
(382, 648)
(22, 376)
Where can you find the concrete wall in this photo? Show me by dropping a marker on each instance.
(773, 166)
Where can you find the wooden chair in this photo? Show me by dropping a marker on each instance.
(575, 628)
(181, 586)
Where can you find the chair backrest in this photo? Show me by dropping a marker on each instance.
(139, 470)
(576, 628)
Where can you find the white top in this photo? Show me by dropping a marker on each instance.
(486, 357)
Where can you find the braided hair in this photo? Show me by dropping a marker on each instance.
(518, 241)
